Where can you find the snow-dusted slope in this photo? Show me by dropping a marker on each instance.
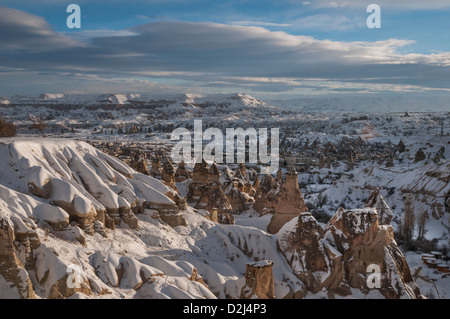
(427, 184)
(57, 196)
(47, 183)
(75, 176)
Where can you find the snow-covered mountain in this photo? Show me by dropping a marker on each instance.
(354, 104)
(114, 110)
(366, 104)
(233, 101)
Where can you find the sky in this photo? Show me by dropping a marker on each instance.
(269, 49)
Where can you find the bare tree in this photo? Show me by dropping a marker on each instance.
(322, 199)
(7, 129)
(40, 126)
(421, 223)
(409, 220)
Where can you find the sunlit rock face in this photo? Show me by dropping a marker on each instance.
(206, 192)
(342, 255)
(279, 197)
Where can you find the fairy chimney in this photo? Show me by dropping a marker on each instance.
(168, 173)
(11, 268)
(286, 202)
(206, 192)
(156, 166)
(181, 173)
(377, 201)
(140, 164)
(259, 283)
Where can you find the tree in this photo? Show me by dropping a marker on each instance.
(322, 199)
(40, 126)
(7, 129)
(421, 223)
(409, 220)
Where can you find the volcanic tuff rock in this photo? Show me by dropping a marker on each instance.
(12, 271)
(337, 257)
(238, 188)
(239, 195)
(258, 281)
(140, 164)
(313, 260)
(362, 241)
(377, 201)
(282, 198)
(60, 193)
(205, 192)
(168, 173)
(420, 156)
(77, 190)
(156, 166)
(181, 173)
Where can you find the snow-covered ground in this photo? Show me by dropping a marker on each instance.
(433, 284)
(218, 252)
(38, 177)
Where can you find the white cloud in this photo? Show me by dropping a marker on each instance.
(20, 30)
(90, 34)
(142, 17)
(208, 55)
(329, 22)
(399, 4)
(259, 23)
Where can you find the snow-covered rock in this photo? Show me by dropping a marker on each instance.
(81, 182)
(340, 257)
(56, 195)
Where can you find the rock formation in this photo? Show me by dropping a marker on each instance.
(22, 254)
(263, 188)
(12, 271)
(258, 281)
(377, 201)
(239, 189)
(181, 173)
(78, 190)
(282, 198)
(358, 236)
(140, 164)
(341, 255)
(168, 173)
(239, 196)
(196, 277)
(205, 192)
(420, 156)
(313, 260)
(440, 155)
(156, 166)
(400, 147)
